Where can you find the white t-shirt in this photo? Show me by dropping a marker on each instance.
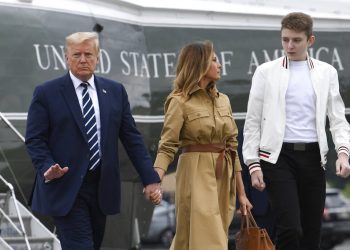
(300, 105)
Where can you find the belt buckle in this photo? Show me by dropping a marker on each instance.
(299, 146)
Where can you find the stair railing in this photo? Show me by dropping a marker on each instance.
(21, 231)
(8, 123)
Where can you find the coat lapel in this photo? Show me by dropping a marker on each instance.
(71, 98)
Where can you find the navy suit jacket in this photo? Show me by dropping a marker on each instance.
(55, 134)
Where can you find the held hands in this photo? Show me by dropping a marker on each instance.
(258, 180)
(54, 172)
(342, 166)
(153, 192)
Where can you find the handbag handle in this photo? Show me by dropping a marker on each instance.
(248, 221)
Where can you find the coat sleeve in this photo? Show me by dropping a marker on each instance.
(37, 132)
(339, 126)
(252, 126)
(170, 136)
(232, 141)
(134, 145)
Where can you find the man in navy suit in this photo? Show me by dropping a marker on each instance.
(77, 194)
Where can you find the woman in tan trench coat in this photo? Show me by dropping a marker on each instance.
(198, 120)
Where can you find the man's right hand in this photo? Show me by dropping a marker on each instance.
(258, 180)
(54, 172)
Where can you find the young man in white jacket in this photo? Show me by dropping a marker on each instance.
(285, 143)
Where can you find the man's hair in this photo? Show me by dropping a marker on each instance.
(80, 37)
(299, 22)
(192, 65)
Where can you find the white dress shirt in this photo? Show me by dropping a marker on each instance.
(93, 95)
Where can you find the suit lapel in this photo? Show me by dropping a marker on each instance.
(71, 98)
(103, 100)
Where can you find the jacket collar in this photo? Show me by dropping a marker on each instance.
(286, 62)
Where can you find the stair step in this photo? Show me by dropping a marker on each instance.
(7, 230)
(40, 238)
(36, 243)
(4, 245)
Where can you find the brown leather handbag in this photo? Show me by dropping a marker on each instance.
(251, 237)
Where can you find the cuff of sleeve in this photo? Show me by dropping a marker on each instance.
(344, 150)
(254, 167)
(162, 161)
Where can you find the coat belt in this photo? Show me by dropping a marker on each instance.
(213, 148)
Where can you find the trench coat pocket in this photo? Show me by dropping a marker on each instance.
(198, 114)
(225, 112)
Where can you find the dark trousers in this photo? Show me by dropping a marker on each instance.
(296, 189)
(83, 227)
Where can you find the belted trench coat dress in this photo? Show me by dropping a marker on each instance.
(204, 203)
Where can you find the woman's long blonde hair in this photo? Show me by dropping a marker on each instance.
(192, 65)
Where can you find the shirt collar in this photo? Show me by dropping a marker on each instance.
(77, 82)
(194, 89)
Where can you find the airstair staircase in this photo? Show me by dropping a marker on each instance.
(19, 228)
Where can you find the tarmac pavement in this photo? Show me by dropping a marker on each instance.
(344, 246)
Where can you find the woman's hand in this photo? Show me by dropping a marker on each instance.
(245, 204)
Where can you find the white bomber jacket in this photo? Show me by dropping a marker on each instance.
(266, 113)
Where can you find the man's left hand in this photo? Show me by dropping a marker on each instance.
(342, 165)
(153, 193)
